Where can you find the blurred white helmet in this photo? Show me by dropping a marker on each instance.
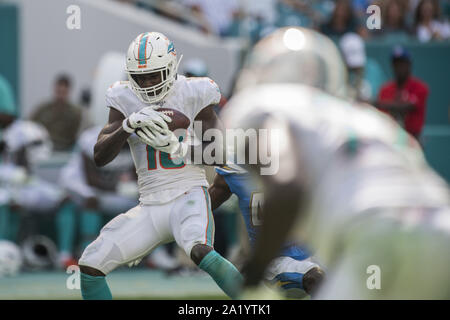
(295, 55)
(10, 258)
(353, 50)
(31, 136)
(152, 52)
(195, 67)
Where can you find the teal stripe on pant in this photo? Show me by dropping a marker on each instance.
(210, 227)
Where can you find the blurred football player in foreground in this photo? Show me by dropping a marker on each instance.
(294, 269)
(351, 182)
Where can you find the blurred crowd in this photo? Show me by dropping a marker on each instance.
(424, 20)
(54, 208)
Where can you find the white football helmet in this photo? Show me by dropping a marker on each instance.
(295, 55)
(152, 52)
(31, 136)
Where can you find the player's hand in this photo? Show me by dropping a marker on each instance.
(147, 117)
(165, 141)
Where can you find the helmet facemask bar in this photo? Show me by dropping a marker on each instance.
(151, 94)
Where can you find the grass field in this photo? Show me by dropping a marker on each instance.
(124, 283)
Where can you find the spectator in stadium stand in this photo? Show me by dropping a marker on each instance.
(360, 7)
(215, 16)
(59, 116)
(427, 22)
(8, 110)
(405, 97)
(295, 13)
(342, 20)
(365, 74)
(393, 15)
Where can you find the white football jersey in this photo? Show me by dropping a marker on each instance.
(352, 157)
(27, 190)
(161, 180)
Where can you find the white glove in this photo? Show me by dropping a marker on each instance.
(165, 141)
(147, 117)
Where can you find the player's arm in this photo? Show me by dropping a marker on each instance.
(397, 107)
(93, 176)
(219, 191)
(111, 139)
(283, 200)
(209, 119)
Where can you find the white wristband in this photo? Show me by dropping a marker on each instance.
(126, 127)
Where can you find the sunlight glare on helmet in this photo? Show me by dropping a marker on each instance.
(294, 39)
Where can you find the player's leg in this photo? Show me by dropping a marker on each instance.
(295, 269)
(296, 277)
(66, 226)
(125, 239)
(9, 223)
(192, 223)
(4, 213)
(83, 196)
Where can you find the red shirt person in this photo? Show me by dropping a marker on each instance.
(405, 97)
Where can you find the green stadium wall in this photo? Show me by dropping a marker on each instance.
(431, 63)
(9, 53)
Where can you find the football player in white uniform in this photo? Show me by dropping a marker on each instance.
(174, 202)
(356, 184)
(26, 143)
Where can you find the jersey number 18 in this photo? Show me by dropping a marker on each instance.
(165, 160)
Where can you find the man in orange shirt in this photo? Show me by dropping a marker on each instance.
(405, 97)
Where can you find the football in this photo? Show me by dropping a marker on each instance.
(179, 120)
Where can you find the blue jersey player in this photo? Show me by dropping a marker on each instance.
(293, 268)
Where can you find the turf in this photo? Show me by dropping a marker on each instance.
(125, 284)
